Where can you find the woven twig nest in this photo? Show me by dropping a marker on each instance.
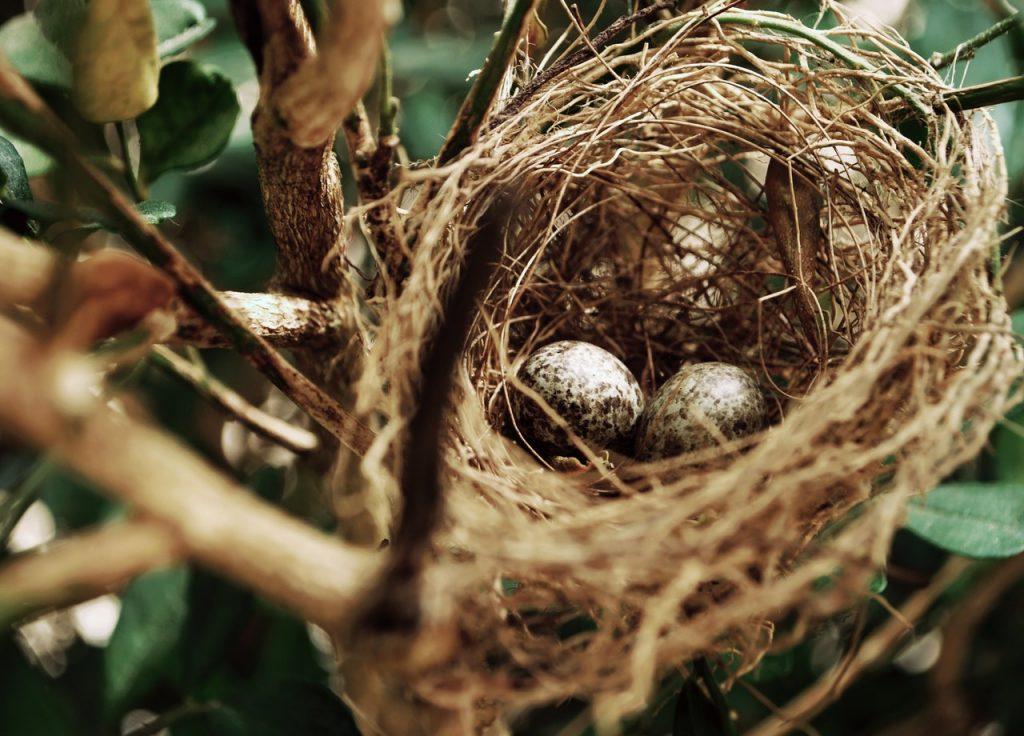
(642, 227)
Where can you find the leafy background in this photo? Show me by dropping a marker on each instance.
(209, 658)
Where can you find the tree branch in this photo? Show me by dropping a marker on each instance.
(26, 272)
(296, 439)
(481, 97)
(218, 523)
(284, 321)
(315, 100)
(983, 95)
(966, 50)
(23, 112)
(82, 567)
(301, 187)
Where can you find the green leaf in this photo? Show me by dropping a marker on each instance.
(115, 67)
(37, 162)
(32, 54)
(1009, 447)
(191, 122)
(879, 582)
(1017, 324)
(280, 707)
(153, 211)
(152, 617)
(218, 613)
(983, 520)
(179, 24)
(773, 666)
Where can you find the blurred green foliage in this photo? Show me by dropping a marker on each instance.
(215, 659)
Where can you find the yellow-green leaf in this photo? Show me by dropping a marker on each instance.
(115, 68)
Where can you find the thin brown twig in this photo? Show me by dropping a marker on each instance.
(372, 163)
(949, 705)
(296, 439)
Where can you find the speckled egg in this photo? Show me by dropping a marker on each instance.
(590, 389)
(722, 394)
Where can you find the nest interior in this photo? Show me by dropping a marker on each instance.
(642, 226)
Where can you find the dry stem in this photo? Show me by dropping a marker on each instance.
(84, 566)
(294, 438)
(219, 523)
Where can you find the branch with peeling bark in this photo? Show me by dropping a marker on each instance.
(284, 321)
(217, 522)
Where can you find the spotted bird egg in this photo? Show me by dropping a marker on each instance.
(685, 412)
(588, 387)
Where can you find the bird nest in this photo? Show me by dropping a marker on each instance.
(642, 226)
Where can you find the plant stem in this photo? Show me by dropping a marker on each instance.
(136, 184)
(173, 716)
(984, 95)
(17, 503)
(480, 98)
(293, 438)
(968, 48)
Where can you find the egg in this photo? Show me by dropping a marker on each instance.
(676, 419)
(588, 387)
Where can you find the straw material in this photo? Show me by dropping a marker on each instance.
(642, 227)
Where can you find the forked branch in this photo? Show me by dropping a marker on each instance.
(22, 111)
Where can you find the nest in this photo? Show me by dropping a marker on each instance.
(642, 226)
